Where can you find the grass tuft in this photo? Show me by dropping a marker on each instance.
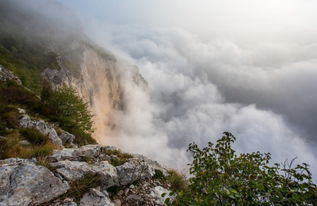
(79, 187)
(11, 147)
(34, 136)
(176, 180)
(117, 158)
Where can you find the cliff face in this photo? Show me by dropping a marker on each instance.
(97, 80)
(71, 175)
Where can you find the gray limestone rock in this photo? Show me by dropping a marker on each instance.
(45, 128)
(22, 182)
(134, 170)
(95, 198)
(74, 170)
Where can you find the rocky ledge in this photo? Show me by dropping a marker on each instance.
(123, 179)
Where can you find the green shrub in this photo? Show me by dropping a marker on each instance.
(221, 177)
(70, 111)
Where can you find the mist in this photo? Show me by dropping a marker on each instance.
(197, 90)
(247, 67)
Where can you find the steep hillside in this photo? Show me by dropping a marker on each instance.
(42, 42)
(41, 163)
(53, 80)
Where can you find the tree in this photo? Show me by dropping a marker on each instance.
(221, 177)
(71, 112)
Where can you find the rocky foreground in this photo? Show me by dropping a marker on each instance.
(50, 182)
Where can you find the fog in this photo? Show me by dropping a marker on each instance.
(199, 89)
(248, 67)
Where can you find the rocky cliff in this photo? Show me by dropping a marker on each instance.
(90, 175)
(97, 80)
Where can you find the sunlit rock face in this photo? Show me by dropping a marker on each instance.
(99, 84)
(97, 80)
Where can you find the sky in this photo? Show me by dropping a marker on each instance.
(247, 66)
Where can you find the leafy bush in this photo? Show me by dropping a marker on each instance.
(66, 107)
(221, 177)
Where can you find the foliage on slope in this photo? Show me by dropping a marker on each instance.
(70, 111)
(221, 177)
(75, 118)
(27, 59)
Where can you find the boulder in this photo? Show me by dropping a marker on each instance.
(22, 182)
(64, 154)
(90, 151)
(56, 77)
(67, 138)
(74, 170)
(78, 154)
(134, 170)
(154, 164)
(95, 198)
(45, 128)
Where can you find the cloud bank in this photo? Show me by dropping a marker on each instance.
(255, 78)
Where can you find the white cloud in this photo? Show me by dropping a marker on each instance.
(184, 102)
(245, 66)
